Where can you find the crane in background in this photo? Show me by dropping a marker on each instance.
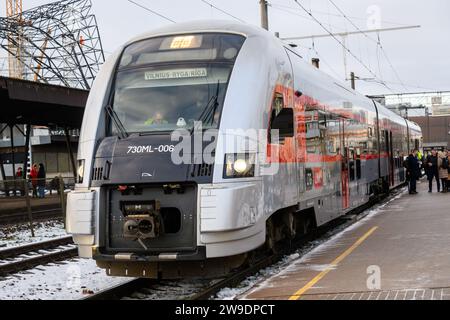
(14, 11)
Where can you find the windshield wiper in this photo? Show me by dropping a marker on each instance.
(207, 116)
(118, 123)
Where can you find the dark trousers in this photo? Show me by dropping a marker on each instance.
(435, 175)
(35, 191)
(444, 185)
(412, 184)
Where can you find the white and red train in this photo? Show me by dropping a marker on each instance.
(138, 213)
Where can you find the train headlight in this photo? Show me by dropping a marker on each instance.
(239, 166)
(80, 171)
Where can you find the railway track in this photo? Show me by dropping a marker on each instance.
(22, 217)
(25, 257)
(200, 289)
(203, 290)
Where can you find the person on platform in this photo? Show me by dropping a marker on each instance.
(432, 170)
(412, 171)
(41, 181)
(443, 169)
(448, 178)
(19, 177)
(34, 179)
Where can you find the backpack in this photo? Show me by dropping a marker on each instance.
(444, 163)
(406, 164)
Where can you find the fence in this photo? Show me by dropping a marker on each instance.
(25, 194)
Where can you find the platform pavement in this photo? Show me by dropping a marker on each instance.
(399, 251)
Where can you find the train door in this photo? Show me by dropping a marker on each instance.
(345, 192)
(390, 153)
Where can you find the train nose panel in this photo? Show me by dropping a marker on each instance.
(145, 159)
(150, 220)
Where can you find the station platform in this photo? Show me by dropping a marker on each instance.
(399, 251)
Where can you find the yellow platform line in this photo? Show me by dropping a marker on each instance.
(332, 265)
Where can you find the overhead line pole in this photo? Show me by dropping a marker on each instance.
(264, 14)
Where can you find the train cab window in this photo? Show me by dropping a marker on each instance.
(281, 121)
(168, 83)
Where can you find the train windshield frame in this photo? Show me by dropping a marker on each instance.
(167, 83)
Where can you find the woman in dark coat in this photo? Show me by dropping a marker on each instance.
(41, 181)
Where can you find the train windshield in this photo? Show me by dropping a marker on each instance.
(169, 83)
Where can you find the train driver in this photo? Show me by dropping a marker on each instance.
(156, 119)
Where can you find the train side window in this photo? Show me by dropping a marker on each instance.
(316, 130)
(278, 103)
(281, 120)
(332, 139)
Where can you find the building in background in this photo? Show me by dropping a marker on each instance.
(47, 146)
(430, 110)
(436, 131)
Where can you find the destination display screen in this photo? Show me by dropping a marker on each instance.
(194, 47)
(177, 74)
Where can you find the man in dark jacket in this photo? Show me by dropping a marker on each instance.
(412, 171)
(432, 170)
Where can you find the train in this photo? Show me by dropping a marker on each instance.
(203, 142)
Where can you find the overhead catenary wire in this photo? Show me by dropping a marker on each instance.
(223, 11)
(279, 8)
(378, 42)
(340, 42)
(318, 12)
(152, 11)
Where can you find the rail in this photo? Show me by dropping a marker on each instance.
(25, 257)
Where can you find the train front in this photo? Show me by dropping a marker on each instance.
(136, 206)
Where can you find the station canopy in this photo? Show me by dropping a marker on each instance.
(28, 102)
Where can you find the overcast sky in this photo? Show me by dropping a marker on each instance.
(420, 57)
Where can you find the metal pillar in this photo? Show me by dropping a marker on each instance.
(27, 151)
(352, 79)
(13, 155)
(264, 14)
(69, 149)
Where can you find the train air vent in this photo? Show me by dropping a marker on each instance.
(97, 174)
(202, 170)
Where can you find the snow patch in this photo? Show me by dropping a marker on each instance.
(56, 281)
(18, 235)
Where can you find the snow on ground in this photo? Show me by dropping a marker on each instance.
(67, 281)
(18, 235)
(262, 278)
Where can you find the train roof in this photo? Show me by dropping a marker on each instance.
(247, 30)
